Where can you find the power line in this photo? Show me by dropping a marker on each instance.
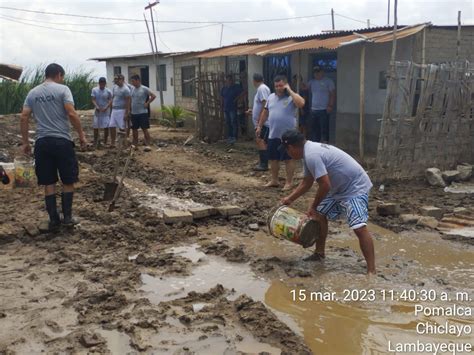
(163, 21)
(103, 33)
(67, 23)
(158, 33)
(351, 18)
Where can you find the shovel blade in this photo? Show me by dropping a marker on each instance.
(109, 192)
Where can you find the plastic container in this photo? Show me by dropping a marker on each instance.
(24, 173)
(10, 170)
(290, 224)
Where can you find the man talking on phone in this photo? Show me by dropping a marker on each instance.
(280, 111)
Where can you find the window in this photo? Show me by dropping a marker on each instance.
(188, 81)
(382, 79)
(162, 77)
(117, 70)
(142, 71)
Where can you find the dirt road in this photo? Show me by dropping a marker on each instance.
(124, 282)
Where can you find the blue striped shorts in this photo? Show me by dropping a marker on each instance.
(356, 210)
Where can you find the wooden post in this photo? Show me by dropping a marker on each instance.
(332, 19)
(156, 56)
(458, 47)
(199, 124)
(394, 41)
(362, 103)
(423, 47)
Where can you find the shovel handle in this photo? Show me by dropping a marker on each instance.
(124, 172)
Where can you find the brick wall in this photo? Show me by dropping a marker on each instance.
(210, 65)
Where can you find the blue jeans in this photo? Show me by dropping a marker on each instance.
(318, 126)
(232, 124)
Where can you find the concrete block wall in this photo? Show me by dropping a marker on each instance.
(441, 44)
(188, 103)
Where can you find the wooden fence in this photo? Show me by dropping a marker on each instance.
(211, 115)
(428, 119)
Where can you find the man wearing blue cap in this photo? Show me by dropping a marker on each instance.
(343, 189)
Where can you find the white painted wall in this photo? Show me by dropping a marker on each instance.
(254, 65)
(168, 95)
(377, 58)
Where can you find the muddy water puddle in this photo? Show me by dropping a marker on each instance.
(407, 262)
(415, 265)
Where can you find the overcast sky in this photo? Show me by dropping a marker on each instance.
(26, 45)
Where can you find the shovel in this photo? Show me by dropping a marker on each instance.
(120, 185)
(111, 187)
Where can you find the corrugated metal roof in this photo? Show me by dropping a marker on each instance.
(10, 71)
(128, 56)
(331, 41)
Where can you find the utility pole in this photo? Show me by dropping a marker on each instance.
(368, 23)
(155, 52)
(222, 31)
(332, 19)
(388, 13)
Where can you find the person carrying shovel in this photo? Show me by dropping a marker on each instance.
(52, 106)
(343, 190)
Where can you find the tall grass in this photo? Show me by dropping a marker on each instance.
(13, 94)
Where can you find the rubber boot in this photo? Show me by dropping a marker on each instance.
(66, 199)
(263, 165)
(54, 220)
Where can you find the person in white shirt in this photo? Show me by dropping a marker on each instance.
(259, 102)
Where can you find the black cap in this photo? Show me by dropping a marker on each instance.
(102, 80)
(317, 69)
(291, 136)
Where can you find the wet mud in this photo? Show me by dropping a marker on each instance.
(124, 282)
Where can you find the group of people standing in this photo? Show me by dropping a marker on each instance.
(124, 107)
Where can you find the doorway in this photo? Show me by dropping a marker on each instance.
(142, 71)
(328, 62)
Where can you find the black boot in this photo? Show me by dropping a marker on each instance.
(263, 165)
(66, 199)
(54, 220)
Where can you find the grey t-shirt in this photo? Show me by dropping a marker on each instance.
(101, 97)
(281, 115)
(139, 97)
(47, 104)
(120, 95)
(320, 90)
(348, 178)
(262, 95)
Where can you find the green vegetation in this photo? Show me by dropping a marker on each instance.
(13, 94)
(173, 116)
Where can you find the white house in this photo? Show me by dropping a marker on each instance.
(144, 65)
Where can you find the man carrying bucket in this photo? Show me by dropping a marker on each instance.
(343, 189)
(52, 106)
